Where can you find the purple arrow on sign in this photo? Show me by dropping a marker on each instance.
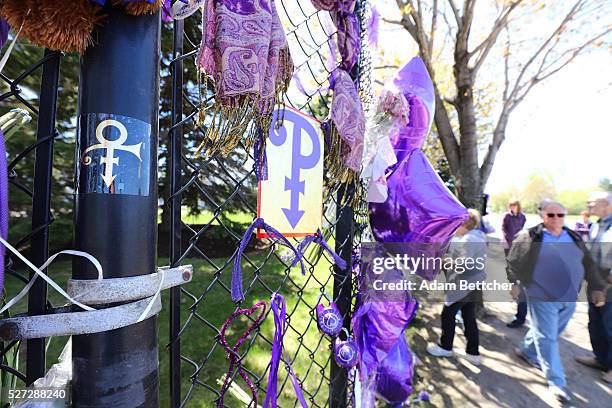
(299, 161)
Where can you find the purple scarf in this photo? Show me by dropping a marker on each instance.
(244, 51)
(4, 210)
(343, 16)
(279, 308)
(348, 117)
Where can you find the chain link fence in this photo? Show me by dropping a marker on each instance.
(206, 207)
(209, 235)
(30, 85)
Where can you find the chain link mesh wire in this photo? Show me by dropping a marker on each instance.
(218, 201)
(30, 84)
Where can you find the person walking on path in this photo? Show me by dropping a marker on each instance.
(512, 224)
(550, 261)
(600, 318)
(584, 228)
(469, 243)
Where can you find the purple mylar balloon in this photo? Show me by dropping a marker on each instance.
(411, 137)
(419, 207)
(413, 80)
(394, 381)
(379, 334)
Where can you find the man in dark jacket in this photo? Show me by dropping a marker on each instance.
(600, 318)
(549, 261)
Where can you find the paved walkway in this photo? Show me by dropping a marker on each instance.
(503, 380)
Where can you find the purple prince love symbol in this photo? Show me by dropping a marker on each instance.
(299, 161)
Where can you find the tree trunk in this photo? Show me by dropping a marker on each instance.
(469, 183)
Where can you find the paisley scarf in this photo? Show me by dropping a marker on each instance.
(342, 13)
(245, 55)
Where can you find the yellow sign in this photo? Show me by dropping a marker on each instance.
(291, 199)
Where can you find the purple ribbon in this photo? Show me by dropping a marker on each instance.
(318, 239)
(279, 308)
(232, 352)
(237, 293)
(4, 210)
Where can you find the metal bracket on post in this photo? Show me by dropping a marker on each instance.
(140, 291)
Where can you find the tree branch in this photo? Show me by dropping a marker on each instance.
(453, 7)
(432, 31)
(485, 47)
(518, 85)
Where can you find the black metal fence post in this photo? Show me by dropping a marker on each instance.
(116, 202)
(175, 156)
(342, 292)
(345, 236)
(41, 205)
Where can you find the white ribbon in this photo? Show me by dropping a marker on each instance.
(50, 281)
(150, 305)
(55, 286)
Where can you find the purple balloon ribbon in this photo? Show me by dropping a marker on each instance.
(232, 352)
(4, 210)
(318, 239)
(237, 293)
(279, 309)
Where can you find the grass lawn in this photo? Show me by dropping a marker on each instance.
(208, 305)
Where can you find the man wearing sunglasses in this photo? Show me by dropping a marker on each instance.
(549, 261)
(600, 318)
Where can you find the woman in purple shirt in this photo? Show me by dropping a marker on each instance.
(513, 222)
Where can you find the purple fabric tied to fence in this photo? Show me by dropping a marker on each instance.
(279, 308)
(4, 210)
(318, 239)
(343, 16)
(237, 293)
(347, 114)
(385, 362)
